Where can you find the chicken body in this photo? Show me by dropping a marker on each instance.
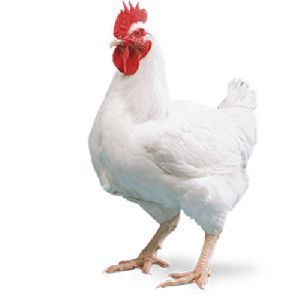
(178, 155)
(169, 156)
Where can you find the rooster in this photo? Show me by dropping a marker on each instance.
(165, 155)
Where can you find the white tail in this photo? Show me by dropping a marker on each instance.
(240, 94)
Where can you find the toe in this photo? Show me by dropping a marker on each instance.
(146, 267)
(110, 269)
(144, 263)
(179, 275)
(179, 281)
(124, 261)
(202, 279)
(124, 266)
(162, 263)
(201, 282)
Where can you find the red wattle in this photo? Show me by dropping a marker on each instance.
(126, 59)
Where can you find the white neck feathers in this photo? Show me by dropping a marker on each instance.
(145, 94)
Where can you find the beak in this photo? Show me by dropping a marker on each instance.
(115, 43)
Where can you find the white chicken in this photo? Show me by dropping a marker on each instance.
(165, 155)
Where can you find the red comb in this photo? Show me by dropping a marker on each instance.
(127, 17)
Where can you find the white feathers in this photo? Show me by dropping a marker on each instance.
(240, 94)
(171, 155)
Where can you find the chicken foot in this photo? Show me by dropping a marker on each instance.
(148, 256)
(201, 271)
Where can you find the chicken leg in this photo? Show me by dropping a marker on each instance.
(201, 272)
(148, 256)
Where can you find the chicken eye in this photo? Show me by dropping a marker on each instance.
(138, 33)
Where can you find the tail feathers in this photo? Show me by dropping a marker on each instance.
(240, 94)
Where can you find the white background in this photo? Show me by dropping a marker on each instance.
(59, 230)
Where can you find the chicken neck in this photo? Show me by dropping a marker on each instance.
(144, 95)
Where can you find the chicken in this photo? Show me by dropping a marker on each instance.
(165, 155)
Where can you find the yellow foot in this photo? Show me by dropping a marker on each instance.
(143, 262)
(199, 277)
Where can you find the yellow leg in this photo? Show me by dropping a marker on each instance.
(148, 256)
